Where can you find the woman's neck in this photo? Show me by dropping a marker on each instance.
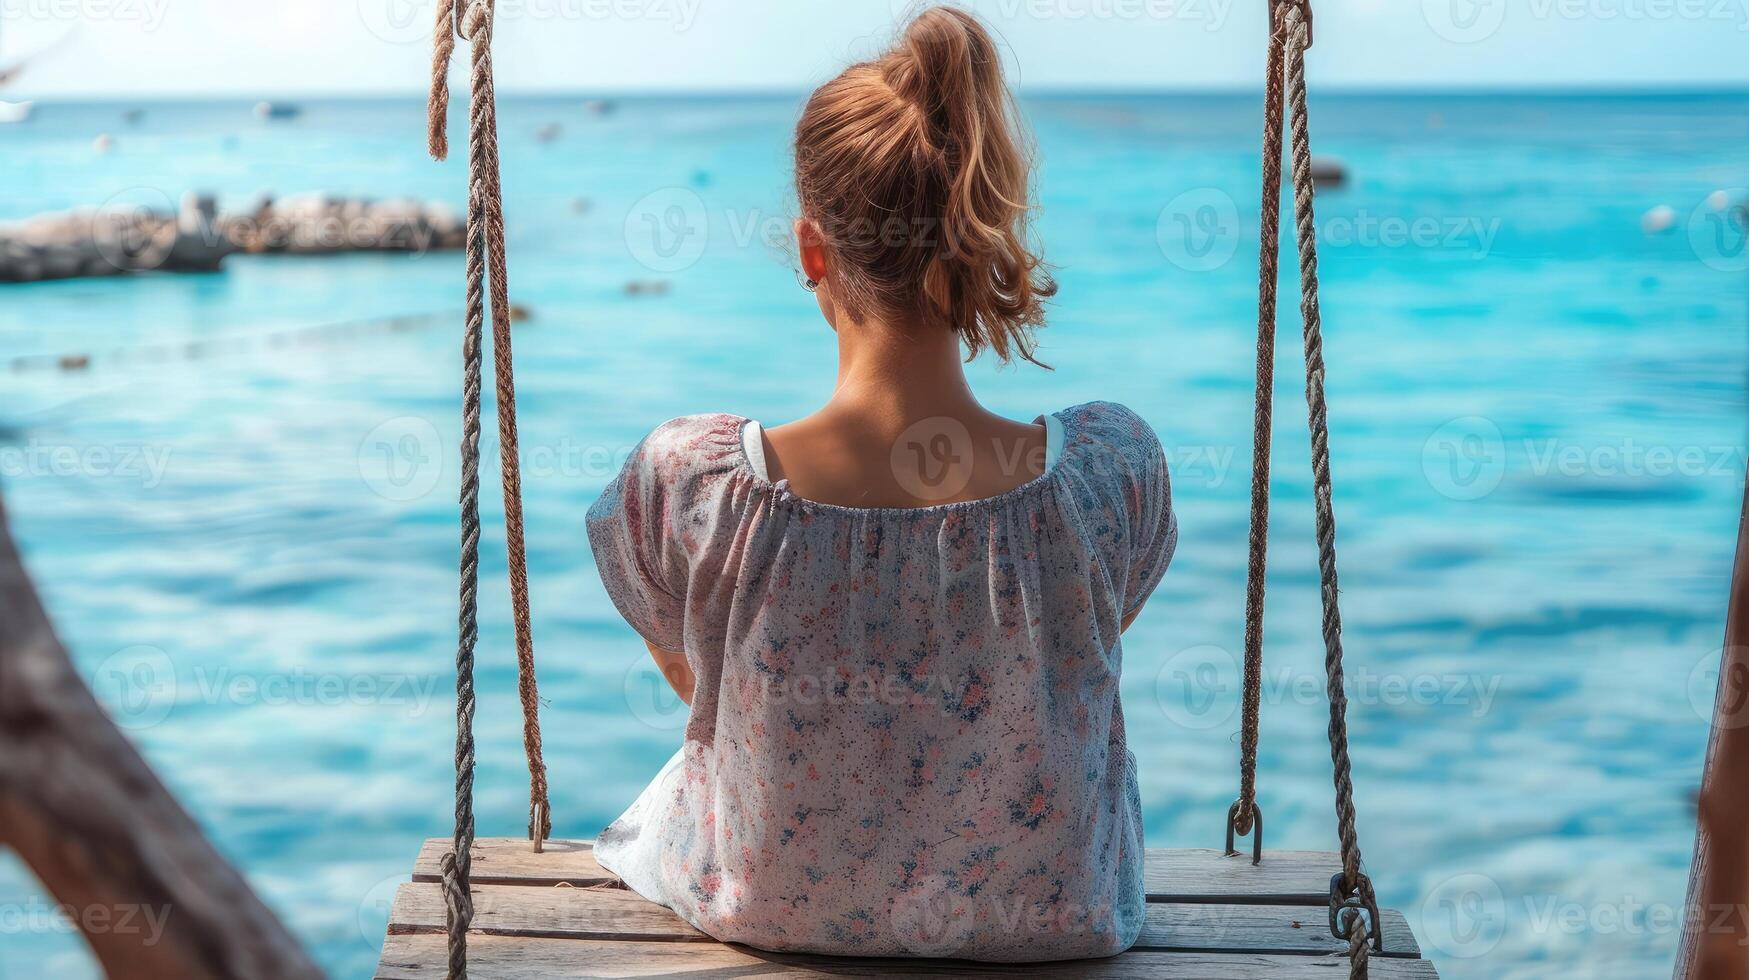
(902, 428)
(895, 374)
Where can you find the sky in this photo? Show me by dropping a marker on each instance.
(94, 48)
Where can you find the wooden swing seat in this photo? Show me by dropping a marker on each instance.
(560, 914)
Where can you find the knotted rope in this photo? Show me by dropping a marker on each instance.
(1354, 907)
(485, 270)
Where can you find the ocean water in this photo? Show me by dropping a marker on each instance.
(241, 512)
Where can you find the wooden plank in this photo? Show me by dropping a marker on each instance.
(512, 861)
(1189, 875)
(617, 914)
(1207, 875)
(515, 958)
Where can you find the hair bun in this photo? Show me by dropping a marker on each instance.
(914, 167)
(948, 52)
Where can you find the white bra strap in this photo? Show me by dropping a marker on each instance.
(753, 445)
(1053, 441)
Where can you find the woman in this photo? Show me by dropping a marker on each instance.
(897, 620)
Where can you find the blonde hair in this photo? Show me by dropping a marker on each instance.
(913, 167)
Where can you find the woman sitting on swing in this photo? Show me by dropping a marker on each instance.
(897, 620)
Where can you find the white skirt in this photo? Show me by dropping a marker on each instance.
(630, 847)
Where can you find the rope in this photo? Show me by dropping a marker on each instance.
(1351, 892)
(1268, 262)
(486, 270)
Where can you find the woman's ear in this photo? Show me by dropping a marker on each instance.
(812, 247)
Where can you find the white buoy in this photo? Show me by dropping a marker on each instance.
(103, 143)
(1718, 200)
(1659, 219)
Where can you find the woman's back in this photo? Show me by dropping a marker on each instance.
(905, 736)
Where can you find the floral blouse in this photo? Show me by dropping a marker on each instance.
(906, 737)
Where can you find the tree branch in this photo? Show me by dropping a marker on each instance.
(82, 808)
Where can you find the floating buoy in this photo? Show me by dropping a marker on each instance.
(1718, 200)
(1328, 172)
(1660, 219)
(103, 143)
(276, 110)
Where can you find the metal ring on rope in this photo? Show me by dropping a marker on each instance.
(1348, 905)
(1255, 830)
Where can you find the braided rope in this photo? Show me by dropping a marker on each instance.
(486, 271)
(488, 188)
(1357, 948)
(1285, 95)
(437, 105)
(1354, 881)
(1268, 264)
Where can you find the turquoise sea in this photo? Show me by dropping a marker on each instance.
(242, 511)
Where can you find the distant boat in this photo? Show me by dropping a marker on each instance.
(133, 117)
(1328, 172)
(15, 112)
(277, 110)
(599, 107)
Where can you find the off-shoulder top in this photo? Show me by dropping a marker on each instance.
(905, 735)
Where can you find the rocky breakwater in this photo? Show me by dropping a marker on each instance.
(197, 237)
